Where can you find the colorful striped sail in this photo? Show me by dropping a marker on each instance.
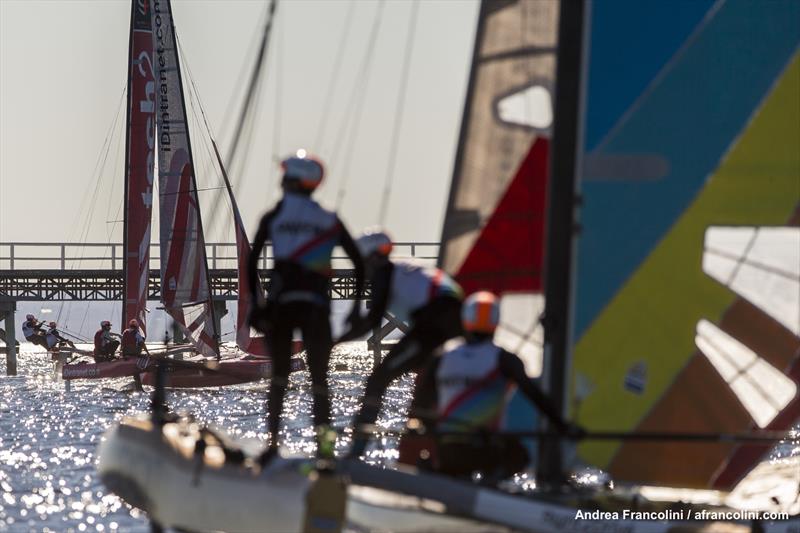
(686, 311)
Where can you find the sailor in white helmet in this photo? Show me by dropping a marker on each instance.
(34, 332)
(303, 236)
(471, 386)
(425, 298)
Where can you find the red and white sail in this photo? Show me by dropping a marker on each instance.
(185, 286)
(139, 167)
(493, 235)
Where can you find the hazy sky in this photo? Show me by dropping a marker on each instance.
(63, 71)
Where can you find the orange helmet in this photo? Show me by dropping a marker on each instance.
(481, 313)
(133, 323)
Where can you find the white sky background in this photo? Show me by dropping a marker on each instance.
(63, 69)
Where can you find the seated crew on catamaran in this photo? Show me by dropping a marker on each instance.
(105, 345)
(303, 236)
(54, 338)
(34, 332)
(426, 298)
(471, 386)
(133, 340)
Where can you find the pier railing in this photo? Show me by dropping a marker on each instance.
(108, 256)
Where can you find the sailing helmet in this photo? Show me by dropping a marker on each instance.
(105, 323)
(30, 317)
(374, 241)
(481, 312)
(53, 324)
(304, 169)
(133, 323)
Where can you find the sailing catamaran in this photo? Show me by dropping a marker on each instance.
(651, 192)
(155, 83)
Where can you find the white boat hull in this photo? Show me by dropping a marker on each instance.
(160, 472)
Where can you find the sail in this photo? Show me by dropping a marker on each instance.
(244, 304)
(686, 311)
(139, 168)
(493, 233)
(185, 286)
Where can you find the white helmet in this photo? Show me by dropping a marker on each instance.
(304, 169)
(374, 241)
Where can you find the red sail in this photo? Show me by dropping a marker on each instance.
(139, 147)
(493, 234)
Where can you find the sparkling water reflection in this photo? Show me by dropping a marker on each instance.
(48, 437)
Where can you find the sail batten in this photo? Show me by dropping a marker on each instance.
(186, 287)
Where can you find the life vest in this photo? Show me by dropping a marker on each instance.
(52, 337)
(29, 328)
(304, 233)
(98, 340)
(412, 286)
(131, 342)
(471, 389)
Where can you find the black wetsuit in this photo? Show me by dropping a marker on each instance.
(303, 236)
(433, 323)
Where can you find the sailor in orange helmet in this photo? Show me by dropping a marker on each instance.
(471, 386)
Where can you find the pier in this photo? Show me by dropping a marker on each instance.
(49, 271)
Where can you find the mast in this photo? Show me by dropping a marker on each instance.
(127, 175)
(565, 168)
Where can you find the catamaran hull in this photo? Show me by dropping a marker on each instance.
(121, 368)
(226, 372)
(160, 472)
(160, 475)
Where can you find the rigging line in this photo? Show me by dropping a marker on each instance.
(357, 96)
(251, 96)
(254, 77)
(398, 115)
(334, 75)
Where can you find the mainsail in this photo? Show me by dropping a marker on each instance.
(687, 277)
(185, 285)
(493, 234)
(139, 168)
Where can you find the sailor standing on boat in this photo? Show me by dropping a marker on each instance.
(34, 332)
(471, 386)
(105, 345)
(426, 298)
(303, 236)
